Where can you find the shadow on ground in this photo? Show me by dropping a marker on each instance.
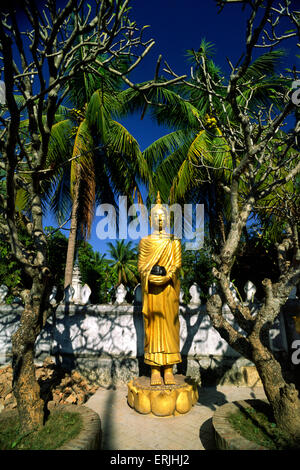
(107, 421)
(207, 435)
(211, 398)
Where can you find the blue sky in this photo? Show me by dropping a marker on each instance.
(177, 26)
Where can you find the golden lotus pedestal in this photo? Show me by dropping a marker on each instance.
(162, 400)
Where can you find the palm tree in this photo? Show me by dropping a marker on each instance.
(105, 158)
(195, 155)
(124, 262)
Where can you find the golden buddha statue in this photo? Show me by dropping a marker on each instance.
(158, 264)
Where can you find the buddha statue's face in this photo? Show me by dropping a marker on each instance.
(158, 219)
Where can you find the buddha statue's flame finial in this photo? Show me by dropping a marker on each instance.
(158, 200)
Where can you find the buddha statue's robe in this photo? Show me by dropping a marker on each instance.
(160, 302)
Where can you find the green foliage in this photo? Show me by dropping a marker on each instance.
(57, 252)
(196, 267)
(193, 161)
(256, 260)
(10, 270)
(12, 273)
(101, 152)
(124, 262)
(94, 268)
(97, 273)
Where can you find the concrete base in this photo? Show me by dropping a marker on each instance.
(227, 438)
(162, 400)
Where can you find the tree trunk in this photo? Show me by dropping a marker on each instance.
(219, 213)
(72, 238)
(216, 216)
(25, 387)
(212, 217)
(283, 397)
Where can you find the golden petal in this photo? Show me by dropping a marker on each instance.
(142, 402)
(184, 401)
(163, 403)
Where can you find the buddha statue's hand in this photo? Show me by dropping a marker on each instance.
(159, 280)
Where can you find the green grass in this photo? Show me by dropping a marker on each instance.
(59, 428)
(258, 426)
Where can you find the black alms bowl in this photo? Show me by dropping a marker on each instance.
(158, 270)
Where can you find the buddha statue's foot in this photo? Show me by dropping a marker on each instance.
(156, 381)
(169, 378)
(155, 376)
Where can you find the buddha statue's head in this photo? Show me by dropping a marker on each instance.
(159, 215)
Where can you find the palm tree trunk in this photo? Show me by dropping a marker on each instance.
(72, 237)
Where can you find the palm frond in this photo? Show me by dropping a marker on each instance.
(206, 49)
(98, 113)
(264, 65)
(83, 170)
(22, 200)
(122, 142)
(166, 145)
(59, 197)
(60, 150)
(176, 112)
(199, 148)
(167, 171)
